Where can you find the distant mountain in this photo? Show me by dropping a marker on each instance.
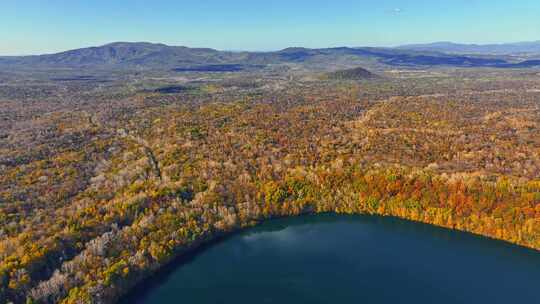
(142, 55)
(493, 49)
(129, 54)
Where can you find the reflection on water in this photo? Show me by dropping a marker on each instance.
(342, 259)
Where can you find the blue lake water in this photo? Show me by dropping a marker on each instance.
(349, 259)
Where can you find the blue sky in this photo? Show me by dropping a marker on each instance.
(44, 26)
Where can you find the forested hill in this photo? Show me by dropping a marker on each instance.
(160, 56)
(357, 73)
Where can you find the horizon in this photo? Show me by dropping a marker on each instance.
(270, 50)
(62, 25)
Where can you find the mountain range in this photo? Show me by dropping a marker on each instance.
(143, 55)
(485, 49)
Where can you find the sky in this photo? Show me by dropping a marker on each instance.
(47, 26)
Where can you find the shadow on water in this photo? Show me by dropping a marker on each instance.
(219, 68)
(212, 68)
(145, 287)
(384, 236)
(162, 275)
(172, 89)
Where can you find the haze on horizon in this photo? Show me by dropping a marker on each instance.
(35, 27)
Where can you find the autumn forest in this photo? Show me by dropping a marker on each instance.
(102, 184)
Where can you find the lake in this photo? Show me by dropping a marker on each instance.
(349, 259)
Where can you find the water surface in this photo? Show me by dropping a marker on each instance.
(349, 259)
